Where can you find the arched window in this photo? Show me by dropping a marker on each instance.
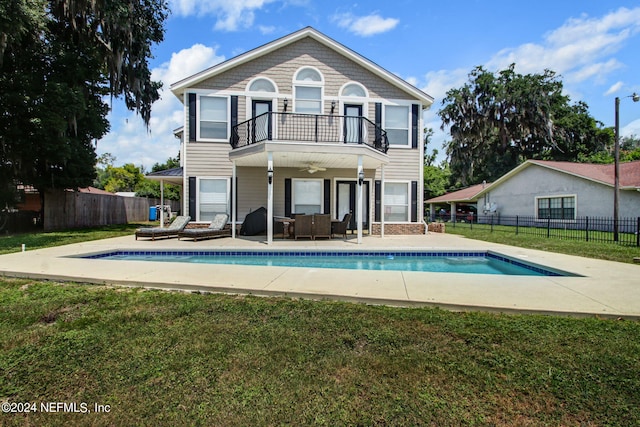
(308, 74)
(307, 88)
(354, 90)
(262, 85)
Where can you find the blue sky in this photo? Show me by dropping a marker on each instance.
(593, 45)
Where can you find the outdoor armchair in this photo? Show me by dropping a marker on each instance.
(322, 226)
(342, 226)
(303, 226)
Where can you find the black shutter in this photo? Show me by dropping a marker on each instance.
(414, 201)
(415, 108)
(287, 197)
(193, 190)
(234, 114)
(192, 117)
(327, 196)
(378, 120)
(378, 200)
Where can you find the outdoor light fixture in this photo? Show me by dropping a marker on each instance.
(360, 177)
(616, 182)
(286, 103)
(270, 175)
(333, 106)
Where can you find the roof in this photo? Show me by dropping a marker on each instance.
(172, 176)
(179, 87)
(465, 195)
(600, 173)
(93, 190)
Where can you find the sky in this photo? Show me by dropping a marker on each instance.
(593, 45)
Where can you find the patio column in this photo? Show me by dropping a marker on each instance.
(454, 210)
(432, 214)
(382, 201)
(234, 197)
(270, 198)
(359, 201)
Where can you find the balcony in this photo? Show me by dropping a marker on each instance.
(309, 128)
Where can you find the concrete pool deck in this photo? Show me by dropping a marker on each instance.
(607, 289)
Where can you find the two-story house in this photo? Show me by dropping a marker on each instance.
(304, 124)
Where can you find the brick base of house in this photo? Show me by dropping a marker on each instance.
(398, 229)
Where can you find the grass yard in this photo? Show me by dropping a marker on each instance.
(506, 235)
(13, 243)
(169, 359)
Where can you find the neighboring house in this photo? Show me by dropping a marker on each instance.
(303, 125)
(562, 191)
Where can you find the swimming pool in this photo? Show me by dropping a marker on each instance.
(471, 262)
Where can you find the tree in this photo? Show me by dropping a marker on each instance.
(58, 61)
(498, 120)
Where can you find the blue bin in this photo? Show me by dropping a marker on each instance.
(153, 213)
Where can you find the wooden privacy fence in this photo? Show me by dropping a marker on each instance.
(72, 209)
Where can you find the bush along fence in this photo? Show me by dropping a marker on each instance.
(588, 229)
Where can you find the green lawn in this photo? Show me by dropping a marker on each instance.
(13, 242)
(507, 236)
(168, 358)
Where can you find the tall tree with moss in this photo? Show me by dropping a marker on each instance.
(59, 60)
(498, 120)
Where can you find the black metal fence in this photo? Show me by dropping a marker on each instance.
(309, 128)
(588, 229)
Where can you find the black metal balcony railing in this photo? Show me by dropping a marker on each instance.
(305, 128)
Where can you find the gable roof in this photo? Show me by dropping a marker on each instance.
(179, 87)
(601, 173)
(468, 194)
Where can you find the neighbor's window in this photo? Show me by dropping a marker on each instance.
(396, 123)
(213, 197)
(307, 196)
(557, 207)
(213, 118)
(396, 201)
(308, 91)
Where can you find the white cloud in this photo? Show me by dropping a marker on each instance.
(365, 25)
(129, 140)
(231, 15)
(580, 49)
(632, 129)
(614, 88)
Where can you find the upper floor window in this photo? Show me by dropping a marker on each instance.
(354, 90)
(307, 89)
(214, 118)
(262, 85)
(396, 123)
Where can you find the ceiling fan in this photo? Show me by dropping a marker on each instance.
(312, 168)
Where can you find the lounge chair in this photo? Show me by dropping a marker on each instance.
(303, 226)
(217, 228)
(342, 226)
(322, 226)
(178, 224)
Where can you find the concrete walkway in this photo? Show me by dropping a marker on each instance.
(607, 289)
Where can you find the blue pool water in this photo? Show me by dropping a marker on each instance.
(474, 262)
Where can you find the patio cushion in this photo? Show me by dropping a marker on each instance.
(219, 221)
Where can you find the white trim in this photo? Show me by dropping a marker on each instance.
(406, 104)
(307, 82)
(199, 117)
(293, 193)
(355, 83)
(556, 196)
(261, 92)
(396, 181)
(199, 179)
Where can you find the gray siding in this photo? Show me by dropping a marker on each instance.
(517, 196)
